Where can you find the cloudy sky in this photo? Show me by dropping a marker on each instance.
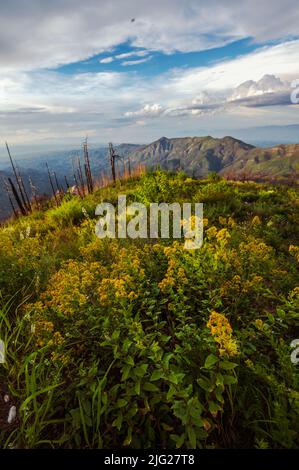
(134, 70)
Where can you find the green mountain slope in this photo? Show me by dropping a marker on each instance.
(199, 156)
(278, 161)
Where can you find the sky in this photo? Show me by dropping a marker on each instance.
(136, 70)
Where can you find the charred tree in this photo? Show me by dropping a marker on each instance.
(66, 183)
(52, 185)
(87, 168)
(22, 197)
(113, 157)
(81, 179)
(17, 198)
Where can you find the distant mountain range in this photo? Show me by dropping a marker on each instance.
(59, 162)
(199, 156)
(196, 156)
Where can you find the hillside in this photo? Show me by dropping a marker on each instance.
(62, 163)
(278, 161)
(140, 343)
(41, 182)
(198, 156)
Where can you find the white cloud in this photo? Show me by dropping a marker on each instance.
(35, 34)
(106, 60)
(268, 91)
(136, 62)
(146, 111)
(279, 60)
(267, 84)
(126, 55)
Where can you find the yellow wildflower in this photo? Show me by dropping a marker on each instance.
(221, 330)
(222, 220)
(259, 324)
(294, 250)
(256, 220)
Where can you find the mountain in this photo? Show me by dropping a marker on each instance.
(196, 156)
(199, 156)
(281, 161)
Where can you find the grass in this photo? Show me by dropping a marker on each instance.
(142, 344)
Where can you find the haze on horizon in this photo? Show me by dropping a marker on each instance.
(136, 70)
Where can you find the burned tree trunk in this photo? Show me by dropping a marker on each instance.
(13, 207)
(22, 197)
(28, 203)
(80, 175)
(112, 161)
(87, 168)
(52, 186)
(17, 198)
(66, 183)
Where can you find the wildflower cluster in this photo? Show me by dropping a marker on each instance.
(222, 332)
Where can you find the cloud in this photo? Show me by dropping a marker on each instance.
(264, 100)
(268, 91)
(279, 60)
(147, 110)
(106, 60)
(136, 62)
(35, 34)
(267, 84)
(126, 55)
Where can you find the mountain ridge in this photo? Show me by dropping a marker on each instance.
(199, 156)
(196, 156)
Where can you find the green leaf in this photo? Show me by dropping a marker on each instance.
(121, 402)
(130, 361)
(219, 392)
(148, 387)
(210, 361)
(227, 365)
(170, 392)
(115, 334)
(214, 407)
(137, 387)
(179, 410)
(156, 375)
(166, 359)
(219, 379)
(126, 372)
(179, 440)
(229, 380)
(128, 439)
(140, 371)
(205, 384)
(176, 377)
(126, 345)
(191, 436)
(197, 421)
(118, 422)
